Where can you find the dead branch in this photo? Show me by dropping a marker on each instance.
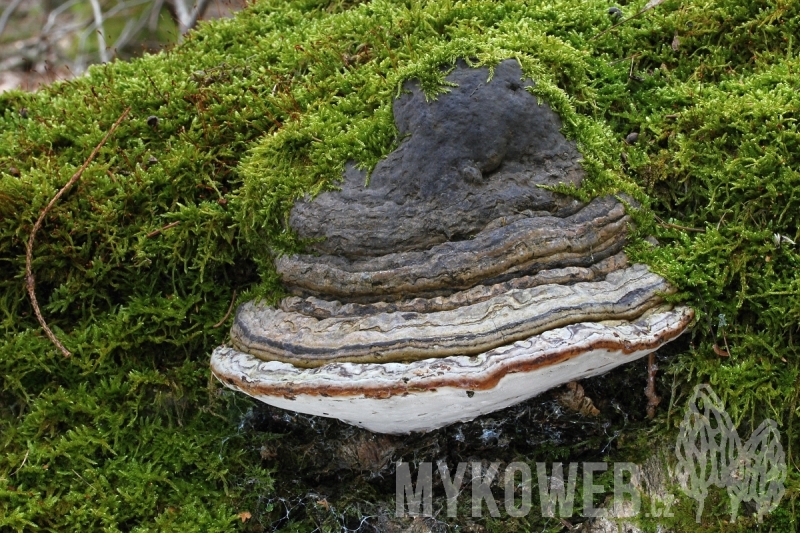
(676, 226)
(152, 23)
(101, 34)
(24, 459)
(230, 308)
(187, 18)
(164, 228)
(198, 12)
(134, 27)
(183, 14)
(7, 12)
(650, 391)
(52, 17)
(29, 278)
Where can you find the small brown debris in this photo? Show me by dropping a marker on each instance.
(230, 308)
(575, 399)
(720, 352)
(268, 453)
(162, 229)
(367, 453)
(676, 42)
(650, 391)
(14, 171)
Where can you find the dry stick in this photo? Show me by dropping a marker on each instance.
(29, 278)
(650, 391)
(725, 338)
(623, 59)
(7, 12)
(230, 308)
(159, 230)
(101, 34)
(676, 226)
(23, 462)
(198, 12)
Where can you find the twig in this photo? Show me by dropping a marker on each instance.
(152, 23)
(650, 5)
(623, 59)
(80, 63)
(101, 35)
(187, 18)
(685, 228)
(7, 12)
(24, 459)
(30, 280)
(725, 339)
(81, 478)
(165, 228)
(183, 15)
(650, 391)
(132, 28)
(52, 17)
(155, 87)
(198, 12)
(676, 226)
(230, 308)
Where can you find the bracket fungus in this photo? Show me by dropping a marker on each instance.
(454, 284)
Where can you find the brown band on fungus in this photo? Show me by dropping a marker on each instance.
(319, 308)
(488, 378)
(526, 246)
(274, 335)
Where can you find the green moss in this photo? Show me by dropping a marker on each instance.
(131, 434)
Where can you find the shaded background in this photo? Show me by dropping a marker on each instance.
(46, 40)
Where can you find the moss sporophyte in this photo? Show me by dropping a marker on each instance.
(139, 260)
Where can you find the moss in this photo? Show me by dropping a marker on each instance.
(131, 434)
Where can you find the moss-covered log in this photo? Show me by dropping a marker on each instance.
(140, 260)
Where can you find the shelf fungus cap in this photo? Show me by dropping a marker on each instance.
(454, 284)
(424, 395)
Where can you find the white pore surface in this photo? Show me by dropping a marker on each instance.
(427, 408)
